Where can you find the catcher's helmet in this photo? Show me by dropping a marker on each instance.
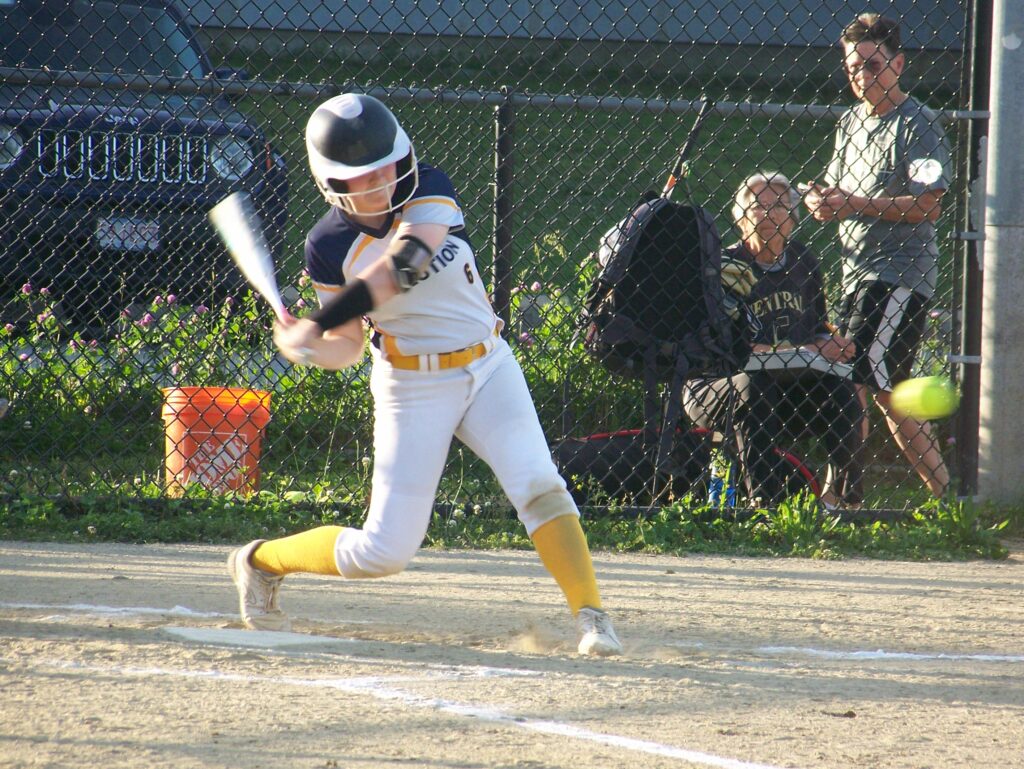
(351, 135)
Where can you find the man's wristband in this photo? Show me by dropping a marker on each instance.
(354, 301)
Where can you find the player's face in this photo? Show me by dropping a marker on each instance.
(769, 213)
(371, 193)
(873, 70)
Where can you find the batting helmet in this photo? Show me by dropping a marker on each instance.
(351, 135)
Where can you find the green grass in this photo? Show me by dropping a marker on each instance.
(939, 532)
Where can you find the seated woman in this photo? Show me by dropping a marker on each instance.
(788, 299)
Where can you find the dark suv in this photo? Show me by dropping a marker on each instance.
(104, 186)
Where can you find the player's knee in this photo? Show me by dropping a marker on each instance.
(372, 558)
(546, 506)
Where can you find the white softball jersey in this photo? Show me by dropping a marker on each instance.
(448, 309)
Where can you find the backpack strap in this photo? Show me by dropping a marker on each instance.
(714, 298)
(663, 459)
(652, 401)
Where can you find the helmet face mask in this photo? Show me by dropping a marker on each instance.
(350, 136)
(336, 191)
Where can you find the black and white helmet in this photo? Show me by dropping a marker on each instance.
(351, 135)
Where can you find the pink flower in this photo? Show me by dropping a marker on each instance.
(44, 291)
(202, 309)
(229, 301)
(535, 287)
(301, 303)
(951, 441)
(158, 300)
(171, 299)
(73, 344)
(175, 369)
(304, 280)
(43, 317)
(935, 314)
(23, 356)
(525, 339)
(27, 288)
(147, 320)
(8, 327)
(93, 343)
(125, 314)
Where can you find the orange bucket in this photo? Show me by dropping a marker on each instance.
(213, 437)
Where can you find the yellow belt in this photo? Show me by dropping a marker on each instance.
(434, 361)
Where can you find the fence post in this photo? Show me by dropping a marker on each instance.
(973, 158)
(1001, 440)
(504, 145)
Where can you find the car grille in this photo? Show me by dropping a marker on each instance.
(122, 157)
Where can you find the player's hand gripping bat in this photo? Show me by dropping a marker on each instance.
(238, 225)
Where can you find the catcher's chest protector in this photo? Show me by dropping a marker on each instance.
(659, 297)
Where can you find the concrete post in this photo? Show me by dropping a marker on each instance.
(1001, 417)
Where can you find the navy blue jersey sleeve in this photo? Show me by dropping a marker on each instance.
(322, 271)
(434, 181)
(327, 245)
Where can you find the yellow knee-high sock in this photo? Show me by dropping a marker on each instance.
(562, 547)
(310, 551)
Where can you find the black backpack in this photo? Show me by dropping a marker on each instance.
(657, 308)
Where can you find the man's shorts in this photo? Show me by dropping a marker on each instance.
(887, 323)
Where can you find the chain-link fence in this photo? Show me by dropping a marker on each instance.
(123, 123)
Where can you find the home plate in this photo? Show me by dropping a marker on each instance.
(262, 639)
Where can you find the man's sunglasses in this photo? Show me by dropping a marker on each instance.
(874, 66)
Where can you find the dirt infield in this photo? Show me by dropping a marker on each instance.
(131, 656)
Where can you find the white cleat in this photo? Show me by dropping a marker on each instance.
(257, 591)
(597, 636)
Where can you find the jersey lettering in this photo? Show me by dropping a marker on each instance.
(441, 259)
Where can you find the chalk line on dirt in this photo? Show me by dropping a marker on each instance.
(881, 654)
(378, 687)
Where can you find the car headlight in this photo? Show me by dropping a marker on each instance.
(231, 158)
(11, 146)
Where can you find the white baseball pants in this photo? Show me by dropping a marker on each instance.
(488, 407)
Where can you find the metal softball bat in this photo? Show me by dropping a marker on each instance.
(238, 225)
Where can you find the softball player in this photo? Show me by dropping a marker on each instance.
(393, 248)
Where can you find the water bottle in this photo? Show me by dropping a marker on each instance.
(723, 483)
(715, 487)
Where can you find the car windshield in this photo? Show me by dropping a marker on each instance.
(91, 35)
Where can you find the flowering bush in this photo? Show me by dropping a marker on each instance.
(75, 400)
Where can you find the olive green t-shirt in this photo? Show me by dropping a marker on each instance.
(903, 152)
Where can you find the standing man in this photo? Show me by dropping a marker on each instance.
(884, 187)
